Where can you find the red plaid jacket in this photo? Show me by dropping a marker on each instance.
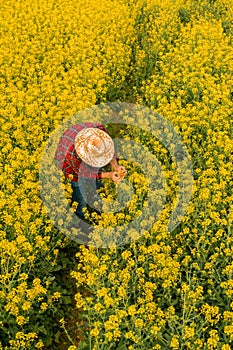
(67, 158)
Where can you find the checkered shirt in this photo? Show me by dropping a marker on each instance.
(67, 158)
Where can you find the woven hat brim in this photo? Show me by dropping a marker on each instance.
(90, 157)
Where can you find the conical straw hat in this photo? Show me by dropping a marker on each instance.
(94, 146)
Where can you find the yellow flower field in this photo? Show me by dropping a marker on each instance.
(164, 290)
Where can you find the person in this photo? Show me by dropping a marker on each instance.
(82, 152)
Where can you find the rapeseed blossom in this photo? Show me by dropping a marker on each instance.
(189, 83)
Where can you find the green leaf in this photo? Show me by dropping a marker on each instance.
(57, 337)
(42, 329)
(57, 268)
(67, 300)
(83, 346)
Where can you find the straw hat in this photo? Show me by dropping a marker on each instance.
(94, 146)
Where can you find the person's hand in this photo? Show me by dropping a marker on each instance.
(121, 171)
(116, 177)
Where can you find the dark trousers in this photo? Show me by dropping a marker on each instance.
(86, 195)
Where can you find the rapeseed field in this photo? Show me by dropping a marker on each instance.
(163, 289)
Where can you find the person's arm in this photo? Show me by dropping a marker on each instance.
(111, 175)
